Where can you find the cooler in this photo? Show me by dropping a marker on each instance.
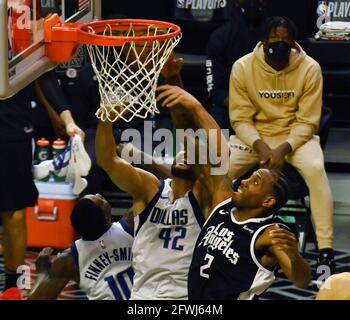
(48, 222)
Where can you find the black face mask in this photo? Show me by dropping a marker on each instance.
(253, 12)
(279, 52)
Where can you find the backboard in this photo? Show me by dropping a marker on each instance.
(22, 51)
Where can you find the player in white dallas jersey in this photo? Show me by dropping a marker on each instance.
(165, 233)
(100, 261)
(167, 220)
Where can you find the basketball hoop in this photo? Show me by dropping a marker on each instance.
(127, 56)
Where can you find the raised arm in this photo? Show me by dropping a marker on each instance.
(53, 99)
(172, 70)
(214, 176)
(148, 163)
(51, 280)
(140, 184)
(282, 248)
(179, 99)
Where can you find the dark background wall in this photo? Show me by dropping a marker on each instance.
(302, 12)
(334, 57)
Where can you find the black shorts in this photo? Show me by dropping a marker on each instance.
(17, 188)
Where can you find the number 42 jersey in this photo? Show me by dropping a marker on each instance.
(165, 235)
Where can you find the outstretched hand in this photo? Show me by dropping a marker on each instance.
(285, 241)
(171, 96)
(172, 66)
(43, 262)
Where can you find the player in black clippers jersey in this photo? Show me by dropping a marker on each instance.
(242, 243)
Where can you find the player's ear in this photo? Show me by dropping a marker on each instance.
(269, 202)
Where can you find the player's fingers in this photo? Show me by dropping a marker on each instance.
(168, 102)
(163, 87)
(174, 102)
(280, 232)
(289, 239)
(164, 94)
(283, 241)
(46, 252)
(160, 96)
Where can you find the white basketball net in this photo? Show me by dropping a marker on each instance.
(128, 74)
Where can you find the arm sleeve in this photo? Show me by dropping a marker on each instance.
(53, 92)
(242, 110)
(309, 109)
(217, 70)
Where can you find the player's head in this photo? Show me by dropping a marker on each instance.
(278, 40)
(91, 217)
(253, 10)
(265, 189)
(180, 168)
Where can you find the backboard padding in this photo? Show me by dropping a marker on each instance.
(22, 52)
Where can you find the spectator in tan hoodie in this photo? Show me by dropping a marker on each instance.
(275, 106)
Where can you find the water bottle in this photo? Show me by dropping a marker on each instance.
(58, 147)
(42, 153)
(42, 150)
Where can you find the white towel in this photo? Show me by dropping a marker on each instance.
(79, 165)
(73, 163)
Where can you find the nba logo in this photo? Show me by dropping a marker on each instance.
(322, 8)
(181, 3)
(102, 244)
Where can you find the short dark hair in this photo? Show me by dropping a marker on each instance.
(280, 189)
(88, 220)
(273, 23)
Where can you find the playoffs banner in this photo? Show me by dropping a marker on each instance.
(202, 10)
(335, 10)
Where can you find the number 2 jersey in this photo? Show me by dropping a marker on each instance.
(165, 235)
(225, 264)
(105, 264)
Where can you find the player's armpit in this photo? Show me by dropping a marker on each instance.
(146, 161)
(210, 190)
(139, 183)
(50, 285)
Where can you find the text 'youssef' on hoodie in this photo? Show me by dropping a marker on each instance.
(266, 102)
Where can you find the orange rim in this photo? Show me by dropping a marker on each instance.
(85, 37)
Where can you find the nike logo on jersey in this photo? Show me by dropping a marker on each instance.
(223, 211)
(161, 197)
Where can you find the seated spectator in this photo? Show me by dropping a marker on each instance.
(275, 109)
